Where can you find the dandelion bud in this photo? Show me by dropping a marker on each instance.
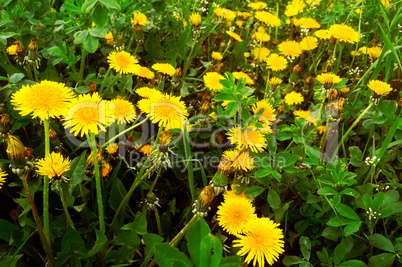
(4, 124)
(90, 159)
(205, 107)
(332, 95)
(33, 56)
(321, 130)
(297, 68)
(281, 107)
(206, 196)
(16, 153)
(220, 179)
(92, 87)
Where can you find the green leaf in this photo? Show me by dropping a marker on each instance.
(381, 242)
(199, 243)
(292, 260)
(254, 191)
(351, 228)
(100, 16)
(305, 247)
(166, 255)
(335, 221)
(117, 194)
(378, 201)
(71, 8)
(80, 37)
(98, 32)
(339, 253)
(273, 199)
(76, 173)
(128, 239)
(82, 89)
(139, 225)
(72, 247)
(87, 6)
(16, 77)
(332, 233)
(110, 3)
(231, 261)
(100, 242)
(91, 44)
(279, 212)
(326, 191)
(356, 159)
(353, 263)
(383, 260)
(222, 97)
(150, 240)
(350, 192)
(347, 212)
(368, 201)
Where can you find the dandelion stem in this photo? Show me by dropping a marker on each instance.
(6, 57)
(175, 241)
(189, 56)
(113, 82)
(92, 144)
(46, 186)
(63, 202)
(42, 236)
(104, 80)
(136, 49)
(121, 133)
(82, 65)
(158, 222)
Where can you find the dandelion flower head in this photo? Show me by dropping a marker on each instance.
(344, 33)
(139, 19)
(379, 88)
(309, 43)
(307, 23)
(294, 98)
(240, 74)
(45, 100)
(3, 175)
(164, 68)
(257, 5)
(240, 160)
(144, 72)
(216, 56)
(261, 53)
(122, 61)
(121, 110)
(54, 165)
(212, 80)
(195, 19)
(323, 34)
(290, 49)
(294, 8)
(147, 92)
(248, 138)
(261, 35)
(268, 18)
(328, 79)
(234, 36)
(109, 38)
(268, 115)
(276, 62)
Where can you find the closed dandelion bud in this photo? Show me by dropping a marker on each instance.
(220, 179)
(206, 196)
(341, 103)
(92, 87)
(222, 44)
(52, 134)
(90, 159)
(33, 56)
(281, 107)
(275, 42)
(332, 95)
(4, 124)
(307, 80)
(16, 154)
(101, 72)
(20, 53)
(297, 68)
(321, 130)
(106, 169)
(119, 43)
(205, 107)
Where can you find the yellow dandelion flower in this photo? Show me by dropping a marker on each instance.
(121, 110)
(261, 54)
(246, 54)
(344, 33)
(165, 138)
(290, 49)
(294, 8)
(54, 165)
(268, 115)
(363, 50)
(122, 61)
(168, 111)
(261, 35)
(321, 129)
(212, 80)
(257, 5)
(216, 56)
(3, 176)
(225, 13)
(385, 3)
(232, 193)
(239, 75)
(268, 18)
(147, 92)
(358, 11)
(109, 38)
(374, 52)
(90, 159)
(234, 36)
(328, 79)
(294, 98)
(309, 43)
(305, 114)
(15, 150)
(195, 19)
(139, 19)
(45, 100)
(234, 213)
(240, 160)
(275, 81)
(306, 23)
(379, 88)
(262, 241)
(112, 149)
(144, 72)
(239, 23)
(146, 149)
(276, 62)
(106, 169)
(12, 50)
(323, 34)
(87, 114)
(246, 15)
(164, 68)
(248, 138)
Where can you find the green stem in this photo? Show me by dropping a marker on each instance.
(158, 222)
(46, 186)
(63, 202)
(338, 60)
(155, 180)
(82, 65)
(121, 133)
(138, 179)
(175, 241)
(35, 71)
(136, 49)
(28, 68)
(131, 43)
(351, 127)
(92, 144)
(189, 56)
(5, 55)
(104, 80)
(113, 82)
(42, 236)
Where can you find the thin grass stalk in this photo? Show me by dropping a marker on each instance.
(66, 213)
(82, 65)
(46, 222)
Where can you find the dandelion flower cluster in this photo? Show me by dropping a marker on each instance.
(44, 100)
(212, 80)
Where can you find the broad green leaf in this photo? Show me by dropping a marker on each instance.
(166, 255)
(353, 263)
(100, 16)
(101, 240)
(254, 191)
(326, 191)
(332, 233)
(77, 170)
(88, 5)
(335, 221)
(139, 225)
(128, 238)
(110, 3)
(273, 199)
(200, 254)
(91, 44)
(98, 32)
(347, 212)
(368, 201)
(150, 240)
(72, 247)
(16, 77)
(305, 247)
(339, 253)
(383, 260)
(292, 260)
(351, 228)
(117, 194)
(80, 37)
(82, 89)
(381, 242)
